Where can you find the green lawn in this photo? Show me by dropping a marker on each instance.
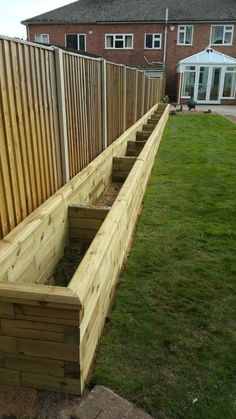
(170, 345)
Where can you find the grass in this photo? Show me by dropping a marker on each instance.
(170, 345)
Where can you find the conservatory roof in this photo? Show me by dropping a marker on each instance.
(207, 57)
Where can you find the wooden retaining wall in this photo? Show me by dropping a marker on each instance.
(48, 334)
(58, 111)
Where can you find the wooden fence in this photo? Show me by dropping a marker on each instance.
(58, 111)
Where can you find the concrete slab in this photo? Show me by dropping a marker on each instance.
(225, 110)
(103, 403)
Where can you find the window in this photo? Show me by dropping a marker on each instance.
(121, 41)
(42, 38)
(76, 41)
(189, 81)
(221, 35)
(185, 35)
(230, 82)
(153, 41)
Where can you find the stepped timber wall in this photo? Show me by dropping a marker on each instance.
(48, 334)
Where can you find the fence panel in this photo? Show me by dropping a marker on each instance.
(82, 78)
(58, 111)
(114, 102)
(30, 160)
(130, 95)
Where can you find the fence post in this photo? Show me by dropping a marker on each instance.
(124, 95)
(135, 96)
(143, 93)
(62, 114)
(104, 101)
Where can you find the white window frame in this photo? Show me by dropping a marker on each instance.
(179, 31)
(114, 39)
(41, 36)
(186, 70)
(78, 34)
(224, 31)
(154, 35)
(223, 81)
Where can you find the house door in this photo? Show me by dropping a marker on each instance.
(208, 82)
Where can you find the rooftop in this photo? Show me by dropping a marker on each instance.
(99, 11)
(209, 56)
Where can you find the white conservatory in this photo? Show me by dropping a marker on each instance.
(208, 77)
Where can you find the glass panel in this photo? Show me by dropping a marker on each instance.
(228, 38)
(157, 41)
(72, 41)
(231, 69)
(188, 85)
(109, 41)
(229, 85)
(81, 42)
(148, 40)
(188, 39)
(128, 41)
(202, 85)
(37, 38)
(45, 39)
(215, 84)
(190, 67)
(181, 37)
(217, 34)
(119, 44)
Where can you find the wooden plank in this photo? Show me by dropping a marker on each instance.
(11, 378)
(97, 213)
(72, 370)
(34, 365)
(33, 330)
(44, 311)
(8, 344)
(85, 223)
(7, 310)
(123, 162)
(149, 127)
(134, 147)
(82, 234)
(142, 135)
(53, 350)
(45, 382)
(41, 296)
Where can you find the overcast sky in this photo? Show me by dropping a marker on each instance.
(13, 11)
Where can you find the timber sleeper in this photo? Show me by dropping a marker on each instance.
(49, 333)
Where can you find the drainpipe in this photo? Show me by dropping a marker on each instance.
(166, 32)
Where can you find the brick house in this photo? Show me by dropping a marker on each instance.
(153, 33)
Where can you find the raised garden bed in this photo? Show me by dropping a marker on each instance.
(49, 333)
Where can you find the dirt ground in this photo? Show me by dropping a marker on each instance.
(23, 403)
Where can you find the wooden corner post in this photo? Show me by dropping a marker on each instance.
(62, 114)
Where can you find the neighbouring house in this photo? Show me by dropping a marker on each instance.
(193, 40)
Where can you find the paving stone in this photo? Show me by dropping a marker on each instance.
(103, 403)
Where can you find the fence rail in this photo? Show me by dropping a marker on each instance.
(58, 111)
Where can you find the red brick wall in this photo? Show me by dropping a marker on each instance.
(95, 42)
